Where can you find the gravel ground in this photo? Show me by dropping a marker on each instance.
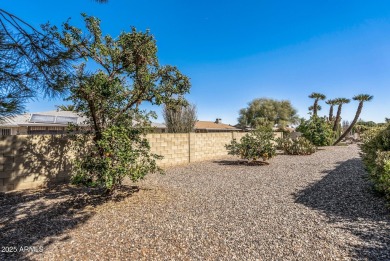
(317, 207)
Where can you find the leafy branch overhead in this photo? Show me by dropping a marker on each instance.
(31, 62)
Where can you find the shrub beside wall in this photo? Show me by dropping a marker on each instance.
(255, 145)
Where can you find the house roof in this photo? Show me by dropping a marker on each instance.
(210, 125)
(158, 125)
(51, 118)
(47, 118)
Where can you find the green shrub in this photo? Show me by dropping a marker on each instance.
(376, 157)
(121, 152)
(297, 146)
(370, 133)
(254, 145)
(381, 173)
(318, 131)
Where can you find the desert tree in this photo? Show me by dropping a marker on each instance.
(318, 108)
(263, 111)
(180, 119)
(362, 98)
(317, 97)
(331, 103)
(110, 97)
(339, 102)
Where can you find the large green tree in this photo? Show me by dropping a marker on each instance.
(362, 98)
(265, 111)
(128, 75)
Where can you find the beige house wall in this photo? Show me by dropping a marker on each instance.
(28, 161)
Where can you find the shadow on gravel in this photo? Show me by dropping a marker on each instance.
(346, 197)
(240, 162)
(36, 219)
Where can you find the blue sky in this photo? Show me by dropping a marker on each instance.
(235, 51)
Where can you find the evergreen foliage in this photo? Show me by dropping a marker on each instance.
(317, 130)
(128, 74)
(376, 157)
(297, 146)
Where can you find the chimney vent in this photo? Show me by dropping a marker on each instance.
(218, 120)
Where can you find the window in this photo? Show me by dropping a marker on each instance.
(45, 130)
(5, 132)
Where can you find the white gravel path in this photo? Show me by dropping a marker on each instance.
(317, 207)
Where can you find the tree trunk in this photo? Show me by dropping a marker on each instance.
(331, 113)
(337, 120)
(357, 115)
(315, 107)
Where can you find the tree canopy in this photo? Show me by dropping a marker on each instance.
(128, 74)
(265, 111)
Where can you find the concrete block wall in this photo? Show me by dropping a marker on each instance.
(208, 146)
(182, 148)
(32, 161)
(173, 146)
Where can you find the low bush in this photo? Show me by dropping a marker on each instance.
(376, 157)
(297, 146)
(255, 145)
(370, 133)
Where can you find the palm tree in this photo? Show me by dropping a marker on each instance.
(69, 107)
(361, 98)
(332, 103)
(316, 96)
(311, 108)
(339, 102)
